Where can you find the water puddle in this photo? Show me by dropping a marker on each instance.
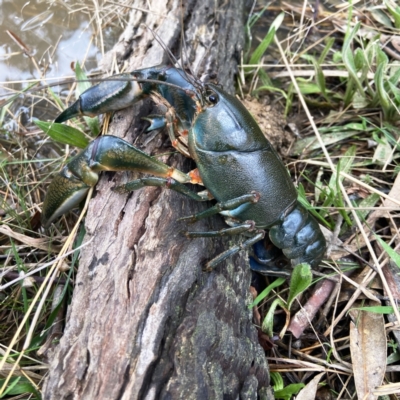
(42, 38)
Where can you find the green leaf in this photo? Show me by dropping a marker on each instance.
(381, 17)
(308, 87)
(383, 152)
(348, 57)
(311, 143)
(377, 309)
(379, 80)
(272, 89)
(369, 201)
(93, 124)
(277, 380)
(63, 133)
(277, 282)
(287, 392)
(394, 73)
(304, 202)
(83, 82)
(301, 279)
(395, 12)
(55, 97)
(18, 386)
(394, 357)
(392, 254)
(268, 323)
(328, 45)
(262, 47)
(344, 164)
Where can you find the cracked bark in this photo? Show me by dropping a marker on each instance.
(145, 322)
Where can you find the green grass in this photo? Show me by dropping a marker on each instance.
(341, 91)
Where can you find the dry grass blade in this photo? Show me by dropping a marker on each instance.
(40, 297)
(333, 168)
(42, 244)
(337, 80)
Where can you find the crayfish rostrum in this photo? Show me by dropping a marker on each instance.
(235, 162)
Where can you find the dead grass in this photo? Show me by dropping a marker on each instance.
(335, 74)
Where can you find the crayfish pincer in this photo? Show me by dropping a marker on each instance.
(235, 162)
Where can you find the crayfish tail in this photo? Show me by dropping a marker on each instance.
(300, 237)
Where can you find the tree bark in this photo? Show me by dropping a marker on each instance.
(145, 321)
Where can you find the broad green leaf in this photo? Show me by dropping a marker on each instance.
(311, 143)
(360, 126)
(369, 201)
(392, 254)
(395, 12)
(287, 392)
(277, 282)
(359, 58)
(383, 152)
(394, 74)
(308, 87)
(18, 386)
(377, 309)
(300, 280)
(64, 134)
(394, 357)
(360, 101)
(395, 91)
(11, 385)
(381, 17)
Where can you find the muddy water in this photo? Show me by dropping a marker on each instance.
(50, 35)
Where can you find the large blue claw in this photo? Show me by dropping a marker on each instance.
(115, 93)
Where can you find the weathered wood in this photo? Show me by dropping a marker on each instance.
(145, 322)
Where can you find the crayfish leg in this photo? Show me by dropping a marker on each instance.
(233, 250)
(228, 208)
(159, 182)
(232, 231)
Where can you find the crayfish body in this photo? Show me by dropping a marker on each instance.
(235, 161)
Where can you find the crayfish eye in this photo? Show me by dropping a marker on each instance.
(212, 98)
